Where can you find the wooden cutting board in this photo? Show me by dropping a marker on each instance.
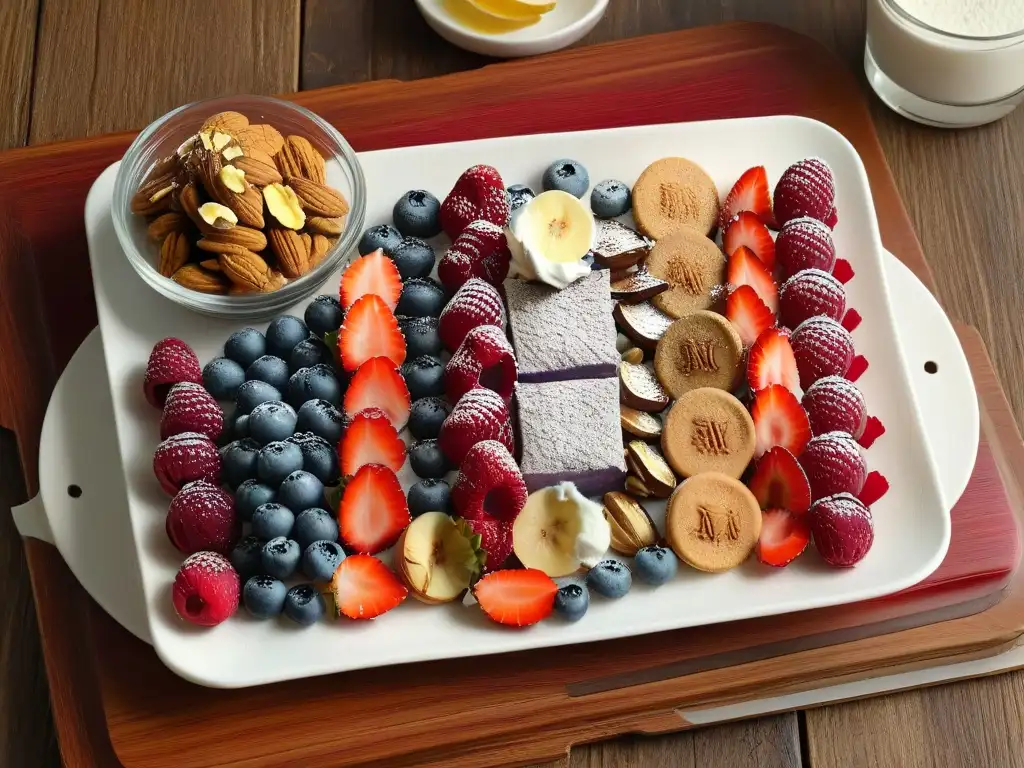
(111, 694)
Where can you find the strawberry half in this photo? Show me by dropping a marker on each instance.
(779, 482)
(745, 268)
(364, 588)
(516, 597)
(771, 361)
(779, 419)
(748, 314)
(370, 330)
(784, 536)
(746, 230)
(373, 511)
(370, 439)
(373, 273)
(750, 193)
(378, 384)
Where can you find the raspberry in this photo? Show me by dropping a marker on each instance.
(475, 303)
(842, 528)
(190, 408)
(478, 194)
(479, 415)
(206, 589)
(480, 251)
(489, 484)
(484, 359)
(185, 457)
(808, 293)
(822, 347)
(833, 464)
(495, 540)
(171, 362)
(202, 517)
(807, 188)
(805, 243)
(834, 404)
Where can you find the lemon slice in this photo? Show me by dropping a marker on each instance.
(514, 10)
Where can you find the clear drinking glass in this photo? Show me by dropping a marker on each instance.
(940, 77)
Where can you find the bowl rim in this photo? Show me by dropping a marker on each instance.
(432, 9)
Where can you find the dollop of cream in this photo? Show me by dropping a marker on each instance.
(535, 254)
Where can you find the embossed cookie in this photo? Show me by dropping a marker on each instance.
(708, 430)
(693, 267)
(712, 522)
(701, 349)
(674, 192)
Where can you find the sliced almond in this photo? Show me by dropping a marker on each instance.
(206, 139)
(639, 388)
(232, 152)
(284, 205)
(652, 468)
(639, 423)
(217, 216)
(233, 178)
(220, 140)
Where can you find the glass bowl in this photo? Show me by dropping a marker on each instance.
(162, 137)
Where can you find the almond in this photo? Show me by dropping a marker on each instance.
(299, 158)
(225, 122)
(196, 278)
(247, 206)
(320, 246)
(154, 194)
(211, 264)
(166, 223)
(257, 171)
(318, 199)
(325, 226)
(240, 236)
(265, 138)
(292, 253)
(246, 269)
(173, 253)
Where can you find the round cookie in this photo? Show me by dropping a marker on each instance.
(674, 192)
(708, 430)
(701, 349)
(694, 268)
(713, 522)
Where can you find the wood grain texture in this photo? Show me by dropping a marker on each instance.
(104, 65)
(17, 48)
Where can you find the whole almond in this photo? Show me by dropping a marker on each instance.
(154, 194)
(225, 122)
(265, 138)
(198, 279)
(325, 226)
(211, 264)
(173, 253)
(165, 223)
(246, 269)
(257, 171)
(247, 206)
(318, 199)
(189, 200)
(299, 158)
(320, 246)
(224, 242)
(292, 253)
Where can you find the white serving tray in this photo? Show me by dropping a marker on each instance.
(912, 521)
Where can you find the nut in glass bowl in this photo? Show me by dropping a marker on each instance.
(238, 207)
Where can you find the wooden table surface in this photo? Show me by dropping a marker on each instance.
(72, 68)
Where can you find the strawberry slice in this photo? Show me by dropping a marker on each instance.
(779, 419)
(750, 193)
(370, 330)
(373, 273)
(378, 384)
(771, 361)
(779, 482)
(745, 268)
(373, 511)
(784, 535)
(746, 230)
(364, 588)
(517, 598)
(370, 439)
(748, 314)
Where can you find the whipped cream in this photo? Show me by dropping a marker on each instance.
(536, 255)
(595, 535)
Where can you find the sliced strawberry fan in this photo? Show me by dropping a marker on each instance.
(744, 268)
(747, 231)
(748, 314)
(369, 330)
(779, 420)
(370, 439)
(771, 361)
(750, 193)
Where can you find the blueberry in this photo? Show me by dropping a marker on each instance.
(245, 346)
(280, 557)
(417, 213)
(414, 258)
(323, 315)
(655, 565)
(284, 333)
(264, 596)
(429, 496)
(518, 195)
(568, 176)
(252, 393)
(426, 417)
(382, 236)
(301, 491)
(316, 383)
(272, 421)
(319, 457)
(421, 297)
(610, 578)
(304, 605)
(320, 560)
(238, 461)
(250, 495)
(421, 336)
(272, 370)
(240, 426)
(309, 353)
(222, 376)
(272, 520)
(276, 461)
(245, 557)
(610, 198)
(572, 601)
(314, 524)
(424, 376)
(322, 419)
(427, 460)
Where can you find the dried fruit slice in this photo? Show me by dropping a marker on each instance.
(517, 598)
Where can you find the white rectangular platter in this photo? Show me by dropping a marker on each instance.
(912, 522)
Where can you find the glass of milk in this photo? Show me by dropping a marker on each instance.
(947, 63)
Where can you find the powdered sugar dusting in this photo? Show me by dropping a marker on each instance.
(210, 563)
(186, 441)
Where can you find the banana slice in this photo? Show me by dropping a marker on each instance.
(559, 530)
(549, 236)
(514, 10)
(438, 558)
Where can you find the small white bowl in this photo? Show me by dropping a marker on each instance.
(568, 22)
